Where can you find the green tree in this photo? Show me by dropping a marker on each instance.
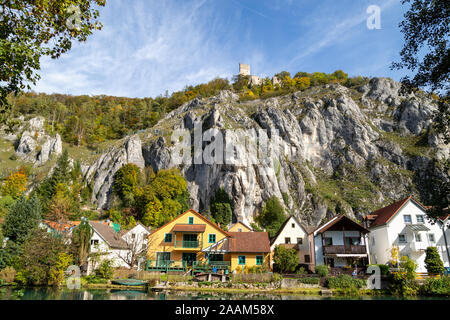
(41, 254)
(433, 261)
(126, 180)
(272, 216)
(221, 207)
(81, 241)
(285, 260)
(22, 218)
(31, 29)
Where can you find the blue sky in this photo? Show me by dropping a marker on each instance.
(149, 46)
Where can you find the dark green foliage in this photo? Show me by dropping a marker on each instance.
(436, 287)
(309, 280)
(9, 254)
(345, 281)
(41, 253)
(126, 180)
(285, 260)
(404, 281)
(221, 207)
(321, 270)
(272, 216)
(433, 261)
(81, 241)
(22, 218)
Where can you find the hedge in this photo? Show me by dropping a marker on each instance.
(309, 280)
(345, 281)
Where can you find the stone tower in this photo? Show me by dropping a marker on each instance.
(244, 69)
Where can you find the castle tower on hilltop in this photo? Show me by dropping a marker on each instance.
(244, 69)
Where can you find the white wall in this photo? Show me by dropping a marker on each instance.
(293, 234)
(387, 236)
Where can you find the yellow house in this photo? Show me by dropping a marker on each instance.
(240, 227)
(193, 241)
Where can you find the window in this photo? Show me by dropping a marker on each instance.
(94, 242)
(418, 237)
(133, 236)
(293, 225)
(287, 240)
(402, 238)
(300, 241)
(168, 237)
(191, 220)
(307, 258)
(328, 241)
(407, 218)
(212, 238)
(240, 230)
(241, 260)
(431, 237)
(420, 219)
(259, 260)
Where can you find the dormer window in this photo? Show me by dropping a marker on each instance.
(191, 220)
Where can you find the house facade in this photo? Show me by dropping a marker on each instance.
(126, 249)
(240, 227)
(340, 242)
(191, 239)
(294, 235)
(405, 225)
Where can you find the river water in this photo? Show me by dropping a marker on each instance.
(112, 294)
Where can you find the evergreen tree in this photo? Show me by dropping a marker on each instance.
(81, 240)
(221, 207)
(22, 218)
(272, 216)
(433, 261)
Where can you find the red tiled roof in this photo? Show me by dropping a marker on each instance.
(343, 219)
(257, 242)
(189, 228)
(385, 214)
(61, 227)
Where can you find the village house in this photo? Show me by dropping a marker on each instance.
(240, 227)
(340, 243)
(60, 229)
(294, 235)
(124, 248)
(191, 240)
(405, 225)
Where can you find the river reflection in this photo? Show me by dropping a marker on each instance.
(113, 294)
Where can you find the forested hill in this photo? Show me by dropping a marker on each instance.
(354, 145)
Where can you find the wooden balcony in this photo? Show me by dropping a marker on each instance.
(359, 249)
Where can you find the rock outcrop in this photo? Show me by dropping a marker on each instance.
(35, 145)
(335, 150)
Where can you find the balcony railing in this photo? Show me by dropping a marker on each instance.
(187, 244)
(418, 246)
(355, 249)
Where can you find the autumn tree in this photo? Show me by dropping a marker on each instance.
(126, 180)
(15, 184)
(31, 29)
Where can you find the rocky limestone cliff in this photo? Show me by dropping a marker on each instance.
(339, 150)
(335, 150)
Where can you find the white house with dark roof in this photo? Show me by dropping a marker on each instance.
(404, 224)
(294, 235)
(123, 248)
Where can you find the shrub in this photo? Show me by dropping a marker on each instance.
(322, 270)
(433, 261)
(309, 280)
(384, 269)
(8, 274)
(344, 281)
(285, 260)
(105, 271)
(436, 287)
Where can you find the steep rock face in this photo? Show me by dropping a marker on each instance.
(332, 150)
(35, 145)
(101, 173)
